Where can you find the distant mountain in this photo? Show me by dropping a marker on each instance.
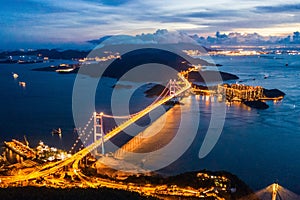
(140, 57)
(50, 53)
(137, 56)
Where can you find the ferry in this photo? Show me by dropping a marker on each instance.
(67, 70)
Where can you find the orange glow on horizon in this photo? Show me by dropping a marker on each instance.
(278, 30)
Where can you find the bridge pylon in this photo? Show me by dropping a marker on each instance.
(172, 87)
(98, 130)
(274, 190)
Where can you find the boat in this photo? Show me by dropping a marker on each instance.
(15, 75)
(22, 84)
(266, 76)
(57, 131)
(67, 70)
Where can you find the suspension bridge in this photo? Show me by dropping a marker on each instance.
(94, 127)
(174, 89)
(272, 192)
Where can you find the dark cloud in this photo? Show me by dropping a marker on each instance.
(278, 9)
(31, 7)
(110, 2)
(190, 17)
(93, 21)
(213, 14)
(170, 19)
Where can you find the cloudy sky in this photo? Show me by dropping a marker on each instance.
(46, 22)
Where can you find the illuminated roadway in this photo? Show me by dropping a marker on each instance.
(54, 167)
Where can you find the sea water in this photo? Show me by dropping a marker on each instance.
(259, 146)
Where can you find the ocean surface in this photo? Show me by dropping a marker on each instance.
(259, 146)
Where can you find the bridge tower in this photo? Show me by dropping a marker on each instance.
(98, 130)
(172, 87)
(274, 191)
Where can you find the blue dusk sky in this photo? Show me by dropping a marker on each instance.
(26, 23)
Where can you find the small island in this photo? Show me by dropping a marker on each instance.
(252, 96)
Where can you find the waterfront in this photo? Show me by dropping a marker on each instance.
(258, 146)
